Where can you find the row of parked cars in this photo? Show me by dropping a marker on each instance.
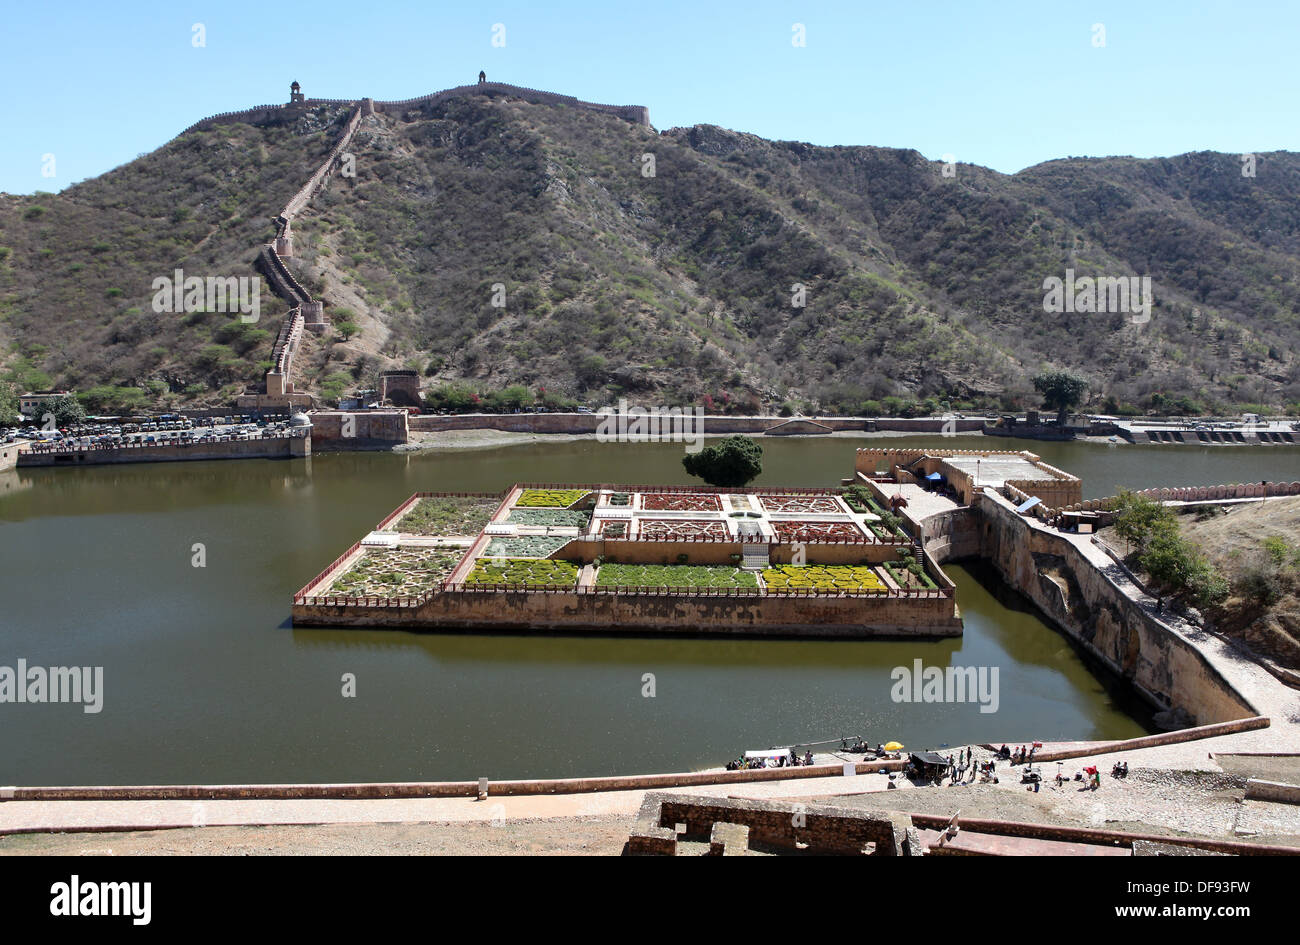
(153, 432)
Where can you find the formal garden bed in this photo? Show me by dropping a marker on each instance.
(560, 517)
(858, 579)
(550, 498)
(817, 531)
(399, 572)
(860, 500)
(807, 504)
(683, 530)
(622, 499)
(909, 575)
(614, 529)
(673, 575)
(446, 515)
(678, 502)
(885, 531)
(525, 546)
(534, 572)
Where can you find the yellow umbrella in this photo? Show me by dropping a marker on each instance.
(893, 746)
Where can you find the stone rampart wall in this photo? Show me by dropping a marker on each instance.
(823, 615)
(1089, 606)
(345, 430)
(270, 448)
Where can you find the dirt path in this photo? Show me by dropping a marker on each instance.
(570, 836)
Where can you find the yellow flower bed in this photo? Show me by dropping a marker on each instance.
(549, 498)
(858, 579)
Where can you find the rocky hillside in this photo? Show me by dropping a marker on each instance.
(668, 287)
(1257, 547)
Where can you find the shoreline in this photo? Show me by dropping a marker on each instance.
(486, 438)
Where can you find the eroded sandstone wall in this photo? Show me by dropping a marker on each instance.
(1087, 603)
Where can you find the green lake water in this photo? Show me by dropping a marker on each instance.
(206, 681)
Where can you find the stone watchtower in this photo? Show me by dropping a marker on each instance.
(400, 388)
(482, 77)
(295, 94)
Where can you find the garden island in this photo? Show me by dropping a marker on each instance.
(831, 562)
(823, 562)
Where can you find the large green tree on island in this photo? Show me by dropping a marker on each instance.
(1061, 390)
(733, 461)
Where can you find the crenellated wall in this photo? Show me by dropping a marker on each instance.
(1248, 490)
(306, 313)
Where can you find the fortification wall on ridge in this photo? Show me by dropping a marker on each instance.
(277, 114)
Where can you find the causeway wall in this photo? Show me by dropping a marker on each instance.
(282, 447)
(1086, 603)
(589, 423)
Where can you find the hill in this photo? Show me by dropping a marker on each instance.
(1257, 546)
(674, 288)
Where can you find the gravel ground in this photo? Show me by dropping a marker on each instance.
(1151, 800)
(1155, 801)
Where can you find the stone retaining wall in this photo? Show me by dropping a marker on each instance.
(820, 615)
(285, 447)
(1046, 567)
(773, 823)
(589, 423)
(1277, 791)
(364, 429)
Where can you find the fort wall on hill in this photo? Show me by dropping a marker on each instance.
(280, 114)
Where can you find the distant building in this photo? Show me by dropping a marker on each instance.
(30, 404)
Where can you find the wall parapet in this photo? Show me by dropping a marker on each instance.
(1249, 490)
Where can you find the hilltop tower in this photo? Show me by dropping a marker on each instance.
(295, 94)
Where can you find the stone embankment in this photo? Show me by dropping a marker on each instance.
(279, 447)
(1174, 665)
(581, 424)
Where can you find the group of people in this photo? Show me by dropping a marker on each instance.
(1021, 755)
(963, 767)
(778, 761)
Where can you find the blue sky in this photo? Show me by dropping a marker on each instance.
(1004, 84)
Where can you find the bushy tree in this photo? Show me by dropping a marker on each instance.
(65, 410)
(1138, 519)
(456, 398)
(1061, 390)
(8, 403)
(732, 461)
